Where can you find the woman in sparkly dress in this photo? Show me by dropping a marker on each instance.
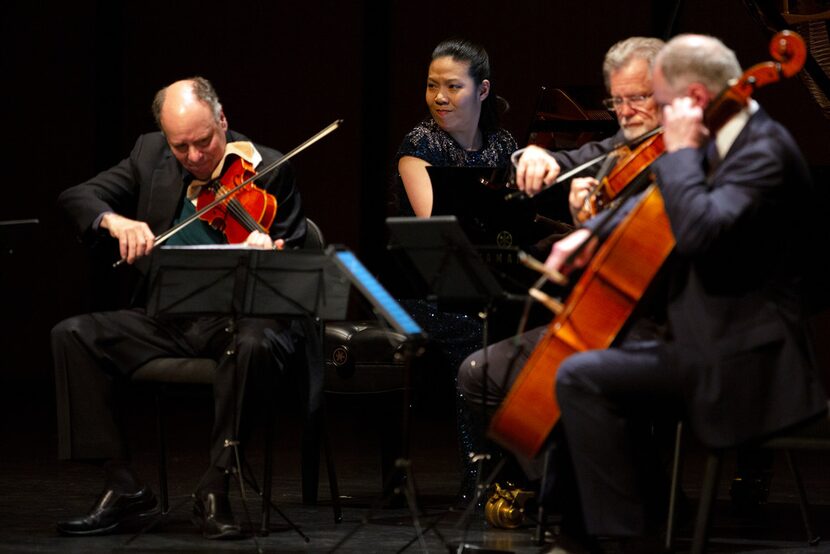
(463, 128)
(462, 131)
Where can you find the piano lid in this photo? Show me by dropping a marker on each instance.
(567, 120)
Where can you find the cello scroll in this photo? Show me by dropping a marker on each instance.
(789, 52)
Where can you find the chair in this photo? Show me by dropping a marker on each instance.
(366, 360)
(362, 358)
(162, 373)
(811, 435)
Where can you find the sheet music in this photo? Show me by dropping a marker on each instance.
(210, 247)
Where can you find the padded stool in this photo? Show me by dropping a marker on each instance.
(365, 359)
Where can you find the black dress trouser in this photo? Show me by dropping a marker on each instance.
(95, 352)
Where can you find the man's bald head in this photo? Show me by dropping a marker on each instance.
(189, 114)
(691, 58)
(194, 89)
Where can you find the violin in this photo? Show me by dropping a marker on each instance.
(249, 209)
(789, 51)
(631, 165)
(226, 195)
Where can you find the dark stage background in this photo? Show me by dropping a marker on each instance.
(79, 78)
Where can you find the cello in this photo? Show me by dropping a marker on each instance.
(617, 276)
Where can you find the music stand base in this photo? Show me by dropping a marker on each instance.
(472, 548)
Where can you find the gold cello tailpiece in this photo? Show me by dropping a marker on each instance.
(505, 509)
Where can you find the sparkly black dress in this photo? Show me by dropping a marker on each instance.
(455, 334)
(428, 142)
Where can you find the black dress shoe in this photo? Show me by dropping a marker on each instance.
(212, 515)
(111, 511)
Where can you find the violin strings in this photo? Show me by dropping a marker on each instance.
(240, 213)
(243, 216)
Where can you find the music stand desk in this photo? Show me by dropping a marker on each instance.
(234, 281)
(448, 263)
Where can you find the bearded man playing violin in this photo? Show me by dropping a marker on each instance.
(627, 72)
(158, 184)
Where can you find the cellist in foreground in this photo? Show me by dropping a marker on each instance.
(158, 184)
(738, 364)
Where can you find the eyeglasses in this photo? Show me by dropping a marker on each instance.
(635, 101)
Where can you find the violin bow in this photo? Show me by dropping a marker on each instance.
(582, 167)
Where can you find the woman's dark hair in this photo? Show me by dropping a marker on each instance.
(462, 50)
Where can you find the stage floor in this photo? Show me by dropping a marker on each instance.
(36, 490)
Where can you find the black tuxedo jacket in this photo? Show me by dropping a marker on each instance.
(736, 314)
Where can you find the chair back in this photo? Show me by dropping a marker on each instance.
(314, 236)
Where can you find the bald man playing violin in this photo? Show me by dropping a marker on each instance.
(196, 134)
(147, 193)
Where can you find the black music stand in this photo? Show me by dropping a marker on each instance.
(449, 266)
(452, 270)
(229, 280)
(477, 197)
(233, 281)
